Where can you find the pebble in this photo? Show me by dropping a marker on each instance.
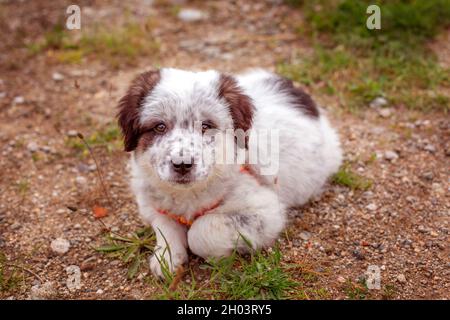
(72, 133)
(56, 76)
(191, 15)
(385, 112)
(305, 235)
(428, 175)
(391, 155)
(15, 226)
(60, 245)
(378, 102)
(32, 147)
(43, 292)
(430, 148)
(2, 95)
(358, 254)
(401, 278)
(341, 279)
(19, 100)
(371, 207)
(99, 291)
(80, 181)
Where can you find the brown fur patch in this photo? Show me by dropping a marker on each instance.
(241, 107)
(129, 105)
(301, 99)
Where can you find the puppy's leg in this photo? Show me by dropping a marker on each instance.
(217, 235)
(170, 250)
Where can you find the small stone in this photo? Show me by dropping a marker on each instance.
(92, 167)
(15, 226)
(56, 76)
(72, 133)
(77, 226)
(430, 148)
(378, 102)
(305, 235)
(115, 229)
(80, 181)
(191, 15)
(61, 211)
(2, 95)
(391, 155)
(19, 100)
(60, 246)
(358, 254)
(341, 279)
(99, 291)
(32, 147)
(428, 175)
(43, 292)
(401, 278)
(434, 233)
(385, 112)
(371, 207)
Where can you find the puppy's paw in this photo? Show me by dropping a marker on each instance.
(162, 262)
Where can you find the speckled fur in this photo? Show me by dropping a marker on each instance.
(309, 153)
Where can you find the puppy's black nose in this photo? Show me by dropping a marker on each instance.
(182, 168)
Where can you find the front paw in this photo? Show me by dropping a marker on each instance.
(163, 262)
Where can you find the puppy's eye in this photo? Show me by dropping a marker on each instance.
(160, 128)
(206, 126)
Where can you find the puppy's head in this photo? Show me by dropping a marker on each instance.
(165, 115)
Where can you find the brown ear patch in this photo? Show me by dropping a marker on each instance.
(241, 107)
(130, 104)
(301, 99)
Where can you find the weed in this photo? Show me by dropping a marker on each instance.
(132, 249)
(107, 137)
(346, 177)
(118, 46)
(10, 277)
(356, 291)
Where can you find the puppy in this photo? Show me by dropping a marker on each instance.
(214, 207)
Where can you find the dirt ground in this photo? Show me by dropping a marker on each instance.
(401, 224)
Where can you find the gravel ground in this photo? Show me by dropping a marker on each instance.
(401, 224)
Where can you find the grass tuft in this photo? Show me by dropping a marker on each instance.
(346, 177)
(108, 137)
(117, 47)
(132, 249)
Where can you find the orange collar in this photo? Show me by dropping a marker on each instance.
(182, 220)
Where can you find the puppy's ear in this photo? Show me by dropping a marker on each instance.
(130, 104)
(241, 107)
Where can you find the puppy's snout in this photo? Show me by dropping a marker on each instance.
(183, 167)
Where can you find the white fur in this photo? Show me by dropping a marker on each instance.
(309, 152)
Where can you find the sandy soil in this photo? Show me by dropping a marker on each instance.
(401, 224)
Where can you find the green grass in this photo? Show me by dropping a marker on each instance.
(23, 186)
(261, 275)
(356, 291)
(10, 277)
(118, 46)
(108, 137)
(132, 249)
(361, 64)
(346, 177)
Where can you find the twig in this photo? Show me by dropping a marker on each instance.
(177, 279)
(25, 269)
(97, 167)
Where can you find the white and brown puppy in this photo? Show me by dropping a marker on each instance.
(211, 207)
